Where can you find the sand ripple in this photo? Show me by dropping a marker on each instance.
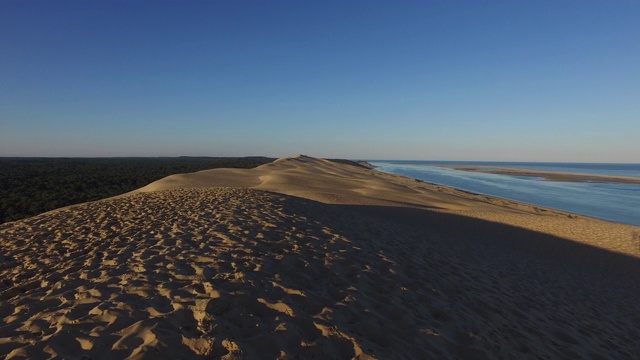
(239, 273)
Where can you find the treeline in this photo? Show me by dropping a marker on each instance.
(30, 186)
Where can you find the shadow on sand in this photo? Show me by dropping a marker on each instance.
(471, 288)
(236, 272)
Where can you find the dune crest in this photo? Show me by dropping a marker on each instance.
(308, 258)
(335, 183)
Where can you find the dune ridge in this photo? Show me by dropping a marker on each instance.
(305, 258)
(334, 183)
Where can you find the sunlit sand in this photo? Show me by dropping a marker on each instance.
(306, 258)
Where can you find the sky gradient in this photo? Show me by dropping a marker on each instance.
(439, 80)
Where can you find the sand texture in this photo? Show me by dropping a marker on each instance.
(548, 175)
(308, 259)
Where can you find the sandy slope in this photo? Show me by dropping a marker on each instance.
(334, 183)
(227, 263)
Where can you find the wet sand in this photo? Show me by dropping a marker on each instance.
(548, 175)
(304, 258)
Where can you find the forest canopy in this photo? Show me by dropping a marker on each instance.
(30, 186)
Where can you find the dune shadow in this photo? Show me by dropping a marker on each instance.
(460, 230)
(246, 272)
(448, 285)
(468, 231)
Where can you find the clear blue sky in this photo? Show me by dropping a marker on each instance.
(444, 80)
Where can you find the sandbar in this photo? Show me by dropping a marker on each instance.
(548, 175)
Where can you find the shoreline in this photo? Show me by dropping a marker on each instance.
(503, 201)
(306, 258)
(575, 207)
(546, 175)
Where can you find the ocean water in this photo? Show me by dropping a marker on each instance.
(608, 201)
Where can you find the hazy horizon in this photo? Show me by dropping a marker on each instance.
(453, 81)
(352, 159)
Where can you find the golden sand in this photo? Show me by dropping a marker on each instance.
(304, 258)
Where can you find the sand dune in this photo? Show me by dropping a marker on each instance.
(333, 183)
(305, 258)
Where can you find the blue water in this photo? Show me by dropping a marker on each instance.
(613, 202)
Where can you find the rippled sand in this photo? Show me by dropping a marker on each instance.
(309, 259)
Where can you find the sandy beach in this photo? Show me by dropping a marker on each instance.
(311, 259)
(548, 175)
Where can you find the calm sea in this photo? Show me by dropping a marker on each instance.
(614, 202)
